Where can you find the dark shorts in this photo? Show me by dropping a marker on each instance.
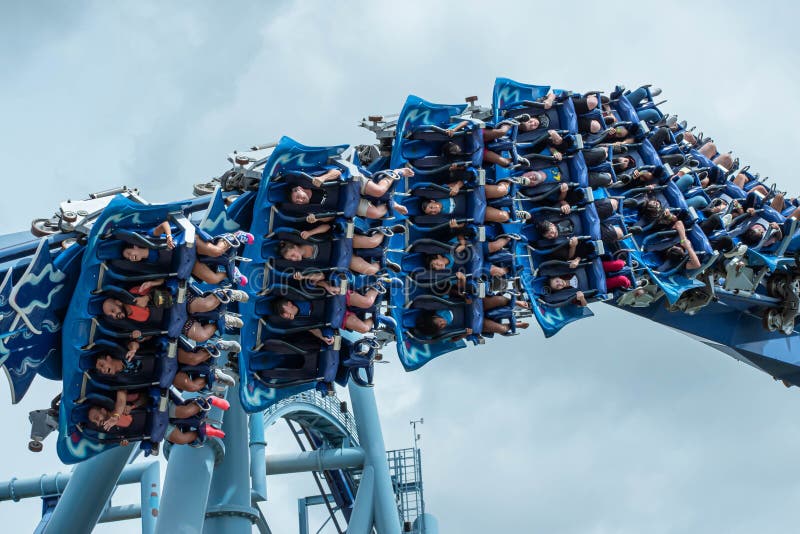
(187, 326)
(604, 208)
(594, 156)
(608, 233)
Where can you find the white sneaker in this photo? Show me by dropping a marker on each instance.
(228, 345)
(231, 321)
(237, 295)
(522, 215)
(737, 251)
(726, 220)
(231, 295)
(222, 378)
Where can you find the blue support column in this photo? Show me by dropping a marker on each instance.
(90, 486)
(230, 509)
(188, 479)
(302, 516)
(258, 462)
(363, 515)
(426, 524)
(183, 503)
(150, 488)
(370, 437)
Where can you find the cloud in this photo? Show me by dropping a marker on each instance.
(615, 425)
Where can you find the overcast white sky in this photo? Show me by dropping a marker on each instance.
(616, 425)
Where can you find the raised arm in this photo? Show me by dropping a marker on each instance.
(165, 229)
(119, 409)
(457, 127)
(321, 229)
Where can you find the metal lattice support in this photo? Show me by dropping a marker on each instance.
(406, 471)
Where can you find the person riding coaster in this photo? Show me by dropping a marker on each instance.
(141, 362)
(447, 206)
(216, 248)
(433, 323)
(371, 189)
(296, 252)
(297, 310)
(457, 253)
(127, 418)
(141, 308)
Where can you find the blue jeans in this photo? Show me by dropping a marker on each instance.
(649, 115)
(685, 182)
(697, 202)
(636, 97)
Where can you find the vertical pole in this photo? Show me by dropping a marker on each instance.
(426, 524)
(363, 515)
(183, 501)
(302, 515)
(186, 485)
(230, 509)
(87, 493)
(258, 460)
(150, 486)
(370, 438)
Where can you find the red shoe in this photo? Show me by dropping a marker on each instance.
(212, 432)
(245, 237)
(239, 278)
(218, 402)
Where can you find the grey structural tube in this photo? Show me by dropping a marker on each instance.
(230, 509)
(24, 488)
(147, 474)
(85, 498)
(370, 437)
(318, 460)
(121, 513)
(16, 489)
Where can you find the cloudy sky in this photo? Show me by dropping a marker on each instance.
(616, 425)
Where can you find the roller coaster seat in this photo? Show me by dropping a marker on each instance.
(147, 423)
(468, 205)
(332, 198)
(149, 366)
(355, 356)
(314, 311)
(587, 278)
(567, 226)
(430, 150)
(468, 261)
(169, 320)
(297, 360)
(466, 314)
(177, 262)
(331, 254)
(561, 116)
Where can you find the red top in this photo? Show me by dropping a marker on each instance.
(124, 420)
(138, 313)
